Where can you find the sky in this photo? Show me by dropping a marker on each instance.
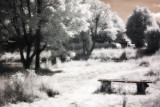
(124, 8)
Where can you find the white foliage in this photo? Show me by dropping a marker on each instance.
(101, 10)
(108, 22)
(118, 22)
(65, 19)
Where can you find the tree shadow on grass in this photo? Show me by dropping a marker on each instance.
(145, 52)
(48, 72)
(7, 69)
(98, 91)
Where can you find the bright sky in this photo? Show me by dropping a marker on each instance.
(124, 8)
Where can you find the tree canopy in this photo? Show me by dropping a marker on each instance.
(137, 23)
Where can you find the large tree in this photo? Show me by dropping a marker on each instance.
(35, 23)
(67, 19)
(16, 16)
(137, 23)
(104, 25)
(99, 22)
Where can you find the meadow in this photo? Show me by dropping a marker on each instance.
(74, 83)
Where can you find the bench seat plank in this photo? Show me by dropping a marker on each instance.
(125, 81)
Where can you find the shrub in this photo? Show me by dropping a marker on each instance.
(49, 91)
(123, 56)
(153, 39)
(23, 88)
(16, 89)
(113, 54)
(137, 24)
(144, 63)
(15, 93)
(43, 60)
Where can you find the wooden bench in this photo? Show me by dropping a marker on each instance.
(141, 84)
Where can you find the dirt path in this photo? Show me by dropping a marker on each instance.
(77, 85)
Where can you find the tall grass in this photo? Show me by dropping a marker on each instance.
(22, 87)
(113, 54)
(153, 63)
(10, 56)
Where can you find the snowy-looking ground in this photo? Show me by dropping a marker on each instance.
(78, 81)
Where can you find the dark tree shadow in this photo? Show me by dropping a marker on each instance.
(48, 72)
(145, 52)
(8, 69)
(99, 91)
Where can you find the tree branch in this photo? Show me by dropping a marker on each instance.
(4, 25)
(44, 46)
(23, 23)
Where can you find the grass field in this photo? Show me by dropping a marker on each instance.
(75, 82)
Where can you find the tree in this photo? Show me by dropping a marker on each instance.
(66, 19)
(120, 30)
(16, 16)
(137, 23)
(35, 23)
(104, 26)
(118, 23)
(153, 38)
(100, 22)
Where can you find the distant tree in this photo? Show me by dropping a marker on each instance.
(100, 24)
(118, 23)
(121, 36)
(104, 27)
(123, 39)
(137, 23)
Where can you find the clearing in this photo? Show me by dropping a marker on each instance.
(77, 84)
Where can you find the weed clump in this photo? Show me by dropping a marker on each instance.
(48, 90)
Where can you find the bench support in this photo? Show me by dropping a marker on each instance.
(106, 87)
(141, 87)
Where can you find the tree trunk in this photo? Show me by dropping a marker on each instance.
(37, 46)
(37, 64)
(28, 60)
(91, 50)
(38, 37)
(84, 47)
(27, 64)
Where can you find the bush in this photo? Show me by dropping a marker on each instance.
(137, 23)
(23, 88)
(113, 54)
(153, 39)
(49, 91)
(123, 56)
(16, 89)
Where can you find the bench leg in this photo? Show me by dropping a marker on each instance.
(106, 87)
(141, 87)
